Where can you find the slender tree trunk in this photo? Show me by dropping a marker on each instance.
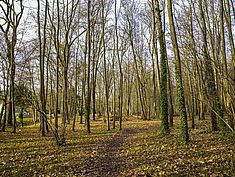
(57, 42)
(4, 116)
(231, 42)
(184, 137)
(171, 108)
(83, 82)
(75, 91)
(12, 88)
(4, 106)
(41, 61)
(21, 116)
(88, 97)
(120, 96)
(105, 68)
(82, 101)
(210, 81)
(223, 54)
(156, 71)
(93, 79)
(1, 114)
(163, 73)
(114, 88)
(9, 111)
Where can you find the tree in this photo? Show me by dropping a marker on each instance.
(11, 21)
(42, 52)
(228, 20)
(155, 62)
(5, 71)
(105, 68)
(120, 96)
(163, 72)
(210, 79)
(23, 98)
(88, 97)
(178, 74)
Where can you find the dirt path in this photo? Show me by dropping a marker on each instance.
(105, 161)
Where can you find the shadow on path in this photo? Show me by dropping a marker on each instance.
(105, 160)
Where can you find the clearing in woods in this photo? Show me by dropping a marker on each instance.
(137, 150)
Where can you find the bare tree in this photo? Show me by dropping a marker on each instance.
(11, 20)
(178, 74)
(163, 72)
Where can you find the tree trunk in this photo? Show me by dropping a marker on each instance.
(21, 116)
(184, 137)
(163, 73)
(171, 108)
(88, 97)
(4, 116)
(210, 81)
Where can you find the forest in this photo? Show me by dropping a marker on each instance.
(117, 88)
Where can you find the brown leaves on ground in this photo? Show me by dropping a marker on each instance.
(138, 150)
(155, 155)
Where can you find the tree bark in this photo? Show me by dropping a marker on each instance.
(88, 97)
(163, 73)
(184, 136)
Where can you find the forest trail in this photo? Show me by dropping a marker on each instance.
(106, 160)
(138, 150)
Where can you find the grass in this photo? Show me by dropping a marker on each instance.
(27, 153)
(146, 152)
(154, 155)
(26, 119)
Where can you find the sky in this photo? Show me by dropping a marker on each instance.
(33, 4)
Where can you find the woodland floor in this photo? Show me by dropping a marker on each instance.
(137, 150)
